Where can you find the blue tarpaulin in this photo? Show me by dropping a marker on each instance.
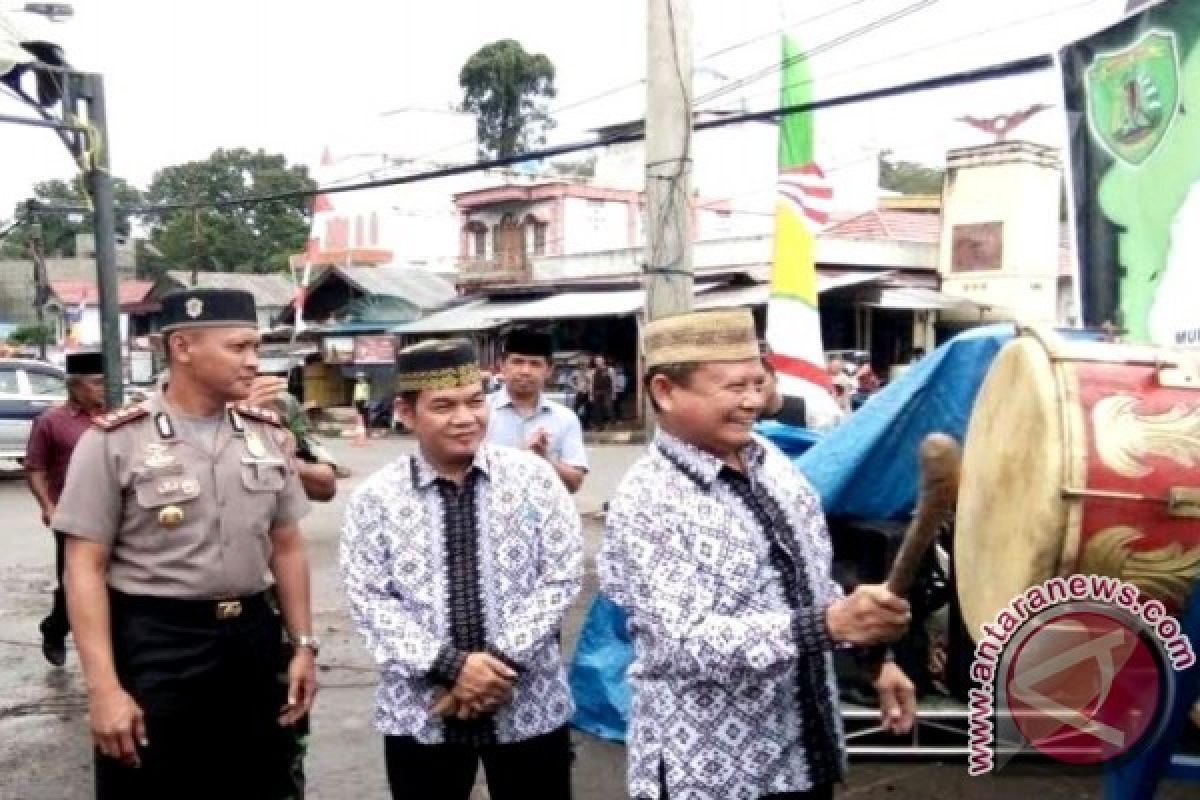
(867, 467)
(864, 468)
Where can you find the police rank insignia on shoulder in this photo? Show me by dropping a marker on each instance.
(115, 419)
(260, 414)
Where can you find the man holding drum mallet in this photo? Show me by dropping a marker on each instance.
(718, 551)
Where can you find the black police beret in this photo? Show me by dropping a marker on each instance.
(208, 308)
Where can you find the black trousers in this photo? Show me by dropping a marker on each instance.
(534, 769)
(211, 693)
(56, 626)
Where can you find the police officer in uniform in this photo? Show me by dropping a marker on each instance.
(180, 513)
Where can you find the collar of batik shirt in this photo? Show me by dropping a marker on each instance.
(424, 474)
(700, 465)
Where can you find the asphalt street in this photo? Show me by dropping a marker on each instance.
(45, 749)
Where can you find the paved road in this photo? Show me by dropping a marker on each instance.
(44, 752)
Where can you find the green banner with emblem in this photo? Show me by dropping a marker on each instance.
(1133, 101)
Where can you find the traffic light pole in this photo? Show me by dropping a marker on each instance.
(89, 89)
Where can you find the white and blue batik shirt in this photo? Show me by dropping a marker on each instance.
(434, 570)
(725, 577)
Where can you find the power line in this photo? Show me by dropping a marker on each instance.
(1005, 70)
(927, 48)
(849, 36)
(725, 50)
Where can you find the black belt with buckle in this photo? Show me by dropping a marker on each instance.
(183, 609)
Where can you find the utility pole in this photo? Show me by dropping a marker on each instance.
(668, 251)
(668, 158)
(94, 161)
(37, 253)
(197, 245)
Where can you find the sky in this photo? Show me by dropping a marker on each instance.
(185, 77)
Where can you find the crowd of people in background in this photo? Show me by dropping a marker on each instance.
(596, 388)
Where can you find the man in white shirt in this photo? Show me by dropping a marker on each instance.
(524, 418)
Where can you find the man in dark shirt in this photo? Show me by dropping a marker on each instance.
(778, 406)
(51, 442)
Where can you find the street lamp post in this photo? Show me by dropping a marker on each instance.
(82, 98)
(89, 88)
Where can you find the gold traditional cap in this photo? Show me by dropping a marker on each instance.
(437, 364)
(700, 336)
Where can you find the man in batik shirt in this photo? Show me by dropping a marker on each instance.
(460, 561)
(718, 551)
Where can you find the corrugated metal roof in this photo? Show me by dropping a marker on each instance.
(423, 289)
(72, 293)
(270, 290)
(480, 315)
(898, 226)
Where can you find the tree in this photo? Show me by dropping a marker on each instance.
(909, 177)
(58, 229)
(507, 89)
(32, 334)
(242, 238)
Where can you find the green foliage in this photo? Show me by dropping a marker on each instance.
(58, 230)
(507, 89)
(32, 334)
(253, 238)
(909, 177)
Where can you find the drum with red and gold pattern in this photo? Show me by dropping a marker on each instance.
(1080, 457)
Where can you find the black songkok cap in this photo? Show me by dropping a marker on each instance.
(437, 364)
(85, 362)
(208, 308)
(526, 342)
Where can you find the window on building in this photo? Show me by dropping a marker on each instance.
(508, 241)
(539, 238)
(480, 237)
(596, 214)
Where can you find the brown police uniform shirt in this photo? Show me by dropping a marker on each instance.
(182, 518)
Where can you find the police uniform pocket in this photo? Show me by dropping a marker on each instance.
(158, 490)
(263, 477)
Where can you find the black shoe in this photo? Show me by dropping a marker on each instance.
(55, 650)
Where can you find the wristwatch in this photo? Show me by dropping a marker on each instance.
(305, 640)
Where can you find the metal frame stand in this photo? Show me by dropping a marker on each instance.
(866, 738)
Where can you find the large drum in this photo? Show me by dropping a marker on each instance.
(1081, 457)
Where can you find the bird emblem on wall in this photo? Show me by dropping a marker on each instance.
(1001, 125)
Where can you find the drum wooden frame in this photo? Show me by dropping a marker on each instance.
(1080, 457)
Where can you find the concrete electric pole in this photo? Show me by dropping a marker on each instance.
(668, 253)
(668, 158)
(89, 88)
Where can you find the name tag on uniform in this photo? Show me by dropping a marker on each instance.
(263, 462)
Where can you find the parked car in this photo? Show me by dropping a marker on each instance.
(27, 388)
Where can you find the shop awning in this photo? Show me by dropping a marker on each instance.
(582, 305)
(736, 297)
(480, 315)
(828, 283)
(915, 299)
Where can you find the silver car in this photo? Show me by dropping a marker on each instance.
(27, 388)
